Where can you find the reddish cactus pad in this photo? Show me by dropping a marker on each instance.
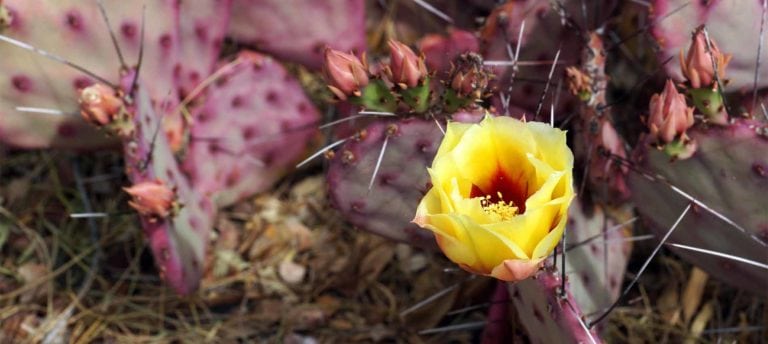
(299, 30)
(543, 35)
(171, 39)
(728, 174)
(179, 240)
(596, 268)
(546, 316)
(255, 124)
(402, 180)
(733, 24)
(440, 50)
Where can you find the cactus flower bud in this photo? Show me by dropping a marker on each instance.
(99, 105)
(345, 73)
(153, 199)
(405, 68)
(697, 65)
(467, 83)
(670, 116)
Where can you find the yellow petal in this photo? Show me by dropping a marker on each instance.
(549, 242)
(551, 146)
(453, 135)
(491, 248)
(453, 238)
(476, 155)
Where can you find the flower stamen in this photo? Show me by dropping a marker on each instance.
(505, 210)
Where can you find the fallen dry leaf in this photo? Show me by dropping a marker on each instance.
(33, 273)
(694, 289)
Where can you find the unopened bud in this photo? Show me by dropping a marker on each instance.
(697, 66)
(153, 199)
(99, 105)
(670, 116)
(405, 68)
(345, 73)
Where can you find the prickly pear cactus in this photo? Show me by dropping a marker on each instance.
(276, 27)
(596, 260)
(48, 84)
(441, 50)
(255, 124)
(179, 50)
(548, 314)
(179, 240)
(387, 206)
(597, 255)
(180, 45)
(605, 178)
(734, 24)
(378, 176)
(727, 173)
(524, 84)
(202, 26)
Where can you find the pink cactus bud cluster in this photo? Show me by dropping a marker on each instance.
(405, 68)
(670, 116)
(152, 199)
(345, 73)
(99, 104)
(698, 65)
(404, 82)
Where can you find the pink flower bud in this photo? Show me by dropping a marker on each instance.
(697, 65)
(152, 199)
(345, 73)
(670, 116)
(405, 68)
(99, 105)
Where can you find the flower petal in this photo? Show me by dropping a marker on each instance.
(549, 242)
(476, 155)
(551, 146)
(492, 246)
(515, 270)
(453, 135)
(452, 237)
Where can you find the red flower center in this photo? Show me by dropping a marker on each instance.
(503, 189)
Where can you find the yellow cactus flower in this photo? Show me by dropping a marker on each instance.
(500, 195)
